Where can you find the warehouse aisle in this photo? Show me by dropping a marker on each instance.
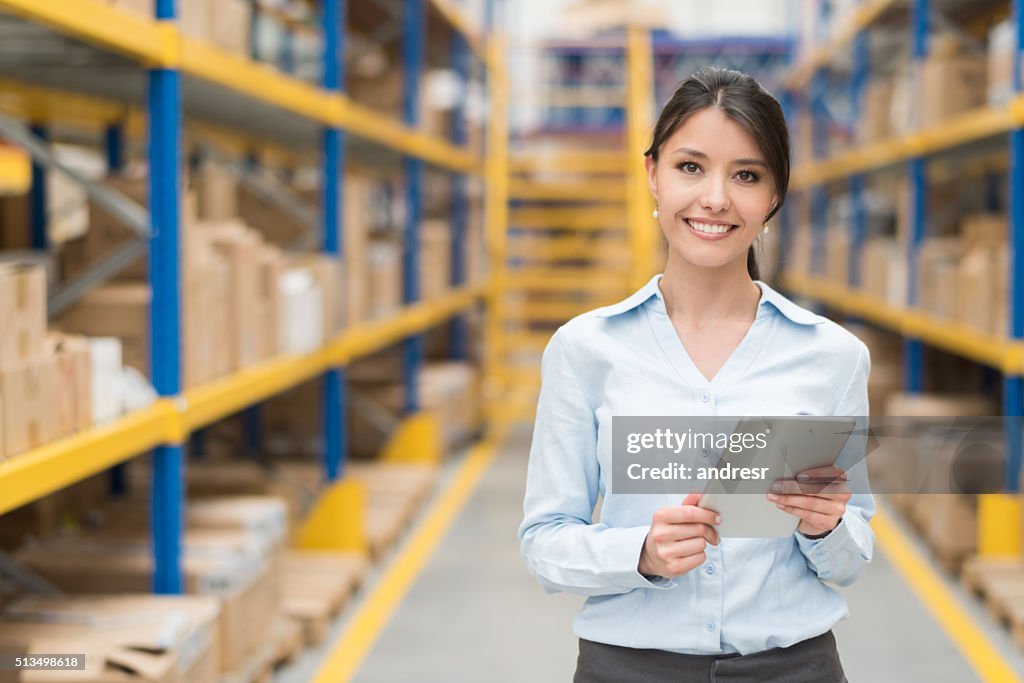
(475, 614)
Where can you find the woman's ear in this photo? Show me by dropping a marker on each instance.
(651, 167)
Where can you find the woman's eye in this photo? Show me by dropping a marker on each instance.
(689, 167)
(747, 177)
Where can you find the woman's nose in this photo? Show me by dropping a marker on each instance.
(715, 195)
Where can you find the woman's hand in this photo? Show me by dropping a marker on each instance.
(817, 496)
(677, 539)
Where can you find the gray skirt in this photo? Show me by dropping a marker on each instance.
(814, 660)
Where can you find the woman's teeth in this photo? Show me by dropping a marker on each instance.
(708, 228)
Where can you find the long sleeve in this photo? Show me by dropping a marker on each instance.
(841, 556)
(561, 545)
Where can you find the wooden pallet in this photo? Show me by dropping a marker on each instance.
(316, 587)
(978, 572)
(283, 644)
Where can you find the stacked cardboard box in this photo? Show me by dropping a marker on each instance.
(28, 369)
(384, 257)
(228, 564)
(982, 273)
(876, 121)
(884, 270)
(950, 84)
(937, 276)
(435, 259)
(231, 309)
(837, 254)
(170, 639)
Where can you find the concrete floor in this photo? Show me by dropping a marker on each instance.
(475, 614)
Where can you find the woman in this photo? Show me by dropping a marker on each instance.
(668, 599)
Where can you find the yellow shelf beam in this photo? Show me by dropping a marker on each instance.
(564, 279)
(968, 127)
(456, 18)
(102, 24)
(956, 338)
(590, 218)
(42, 471)
(161, 44)
(15, 171)
(576, 161)
(863, 17)
(602, 191)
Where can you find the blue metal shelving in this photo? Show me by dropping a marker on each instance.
(914, 371)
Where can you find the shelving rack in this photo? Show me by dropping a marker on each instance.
(997, 513)
(139, 60)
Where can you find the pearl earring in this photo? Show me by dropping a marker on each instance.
(765, 229)
(655, 213)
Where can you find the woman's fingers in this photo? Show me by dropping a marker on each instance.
(812, 503)
(818, 488)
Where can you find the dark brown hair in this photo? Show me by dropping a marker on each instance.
(745, 101)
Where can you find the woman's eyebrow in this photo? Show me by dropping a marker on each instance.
(701, 155)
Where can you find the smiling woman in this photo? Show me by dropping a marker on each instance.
(669, 599)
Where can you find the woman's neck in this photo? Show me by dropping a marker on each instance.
(696, 296)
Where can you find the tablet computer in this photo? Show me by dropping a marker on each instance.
(794, 444)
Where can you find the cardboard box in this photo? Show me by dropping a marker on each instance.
(229, 25)
(206, 312)
(837, 255)
(194, 19)
(271, 264)
(178, 626)
(950, 86)
(358, 215)
(937, 267)
(216, 193)
(118, 310)
(876, 121)
(22, 312)
(384, 258)
(29, 390)
(240, 249)
(435, 259)
(73, 404)
(221, 564)
(141, 8)
(984, 230)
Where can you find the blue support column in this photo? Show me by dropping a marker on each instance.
(334, 385)
(37, 198)
(114, 139)
(913, 349)
(413, 22)
(858, 210)
(114, 135)
(819, 194)
(1013, 385)
(460, 204)
(165, 124)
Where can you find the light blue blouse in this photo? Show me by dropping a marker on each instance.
(626, 359)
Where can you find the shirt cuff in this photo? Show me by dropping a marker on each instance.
(821, 551)
(630, 545)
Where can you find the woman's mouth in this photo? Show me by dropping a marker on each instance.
(710, 231)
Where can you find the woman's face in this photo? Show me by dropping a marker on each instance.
(713, 190)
